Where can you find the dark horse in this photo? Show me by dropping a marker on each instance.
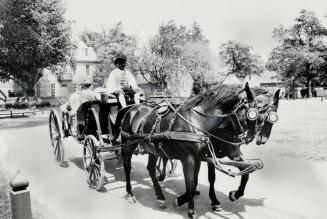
(267, 104)
(186, 130)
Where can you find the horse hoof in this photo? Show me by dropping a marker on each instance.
(197, 191)
(130, 198)
(217, 208)
(232, 196)
(192, 215)
(160, 178)
(161, 203)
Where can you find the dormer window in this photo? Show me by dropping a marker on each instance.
(86, 51)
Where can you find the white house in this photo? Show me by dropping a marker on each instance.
(85, 61)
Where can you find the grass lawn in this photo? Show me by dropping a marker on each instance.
(301, 131)
(39, 211)
(5, 211)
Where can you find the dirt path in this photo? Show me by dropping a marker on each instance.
(285, 188)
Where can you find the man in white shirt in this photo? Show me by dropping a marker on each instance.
(120, 79)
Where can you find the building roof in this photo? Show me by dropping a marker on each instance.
(83, 53)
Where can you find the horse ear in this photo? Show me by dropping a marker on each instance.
(276, 97)
(248, 92)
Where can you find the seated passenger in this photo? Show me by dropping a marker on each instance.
(73, 103)
(87, 94)
(121, 78)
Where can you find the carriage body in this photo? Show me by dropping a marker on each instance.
(92, 126)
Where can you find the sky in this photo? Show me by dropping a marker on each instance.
(246, 21)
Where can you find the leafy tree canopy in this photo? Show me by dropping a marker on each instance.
(240, 59)
(34, 36)
(174, 50)
(301, 53)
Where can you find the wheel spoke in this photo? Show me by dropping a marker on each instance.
(56, 147)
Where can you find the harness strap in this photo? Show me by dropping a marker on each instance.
(173, 118)
(202, 130)
(181, 136)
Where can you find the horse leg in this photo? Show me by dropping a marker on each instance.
(161, 200)
(215, 204)
(162, 171)
(189, 166)
(234, 195)
(182, 199)
(127, 168)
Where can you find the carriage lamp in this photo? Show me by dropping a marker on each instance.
(272, 117)
(252, 114)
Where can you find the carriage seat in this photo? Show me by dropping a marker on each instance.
(82, 111)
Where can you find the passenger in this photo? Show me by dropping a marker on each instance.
(87, 94)
(73, 103)
(121, 78)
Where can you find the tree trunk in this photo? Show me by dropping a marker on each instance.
(307, 69)
(30, 92)
(309, 89)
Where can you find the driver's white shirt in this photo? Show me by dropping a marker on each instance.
(116, 79)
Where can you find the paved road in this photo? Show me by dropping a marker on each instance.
(285, 188)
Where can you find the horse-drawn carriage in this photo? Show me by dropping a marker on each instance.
(93, 126)
(191, 132)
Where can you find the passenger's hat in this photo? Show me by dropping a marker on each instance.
(119, 57)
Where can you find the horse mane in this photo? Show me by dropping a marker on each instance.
(226, 96)
(266, 93)
(261, 91)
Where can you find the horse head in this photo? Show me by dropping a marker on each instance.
(267, 116)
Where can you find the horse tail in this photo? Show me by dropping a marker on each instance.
(119, 119)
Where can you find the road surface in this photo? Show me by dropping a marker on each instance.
(284, 188)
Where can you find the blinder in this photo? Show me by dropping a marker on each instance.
(272, 117)
(252, 114)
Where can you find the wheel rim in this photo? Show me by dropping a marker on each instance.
(56, 138)
(93, 163)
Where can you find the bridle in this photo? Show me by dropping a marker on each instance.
(270, 114)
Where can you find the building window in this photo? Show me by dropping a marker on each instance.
(53, 90)
(86, 51)
(87, 69)
(63, 85)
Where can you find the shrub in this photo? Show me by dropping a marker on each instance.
(8, 105)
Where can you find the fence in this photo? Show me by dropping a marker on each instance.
(13, 114)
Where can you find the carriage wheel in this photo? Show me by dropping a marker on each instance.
(93, 163)
(56, 136)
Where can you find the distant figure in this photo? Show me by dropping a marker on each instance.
(121, 79)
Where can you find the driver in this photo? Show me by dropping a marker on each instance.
(121, 78)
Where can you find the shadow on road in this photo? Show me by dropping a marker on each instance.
(24, 122)
(171, 186)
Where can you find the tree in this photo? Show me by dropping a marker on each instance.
(198, 60)
(301, 54)
(174, 50)
(34, 36)
(169, 41)
(240, 59)
(108, 44)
